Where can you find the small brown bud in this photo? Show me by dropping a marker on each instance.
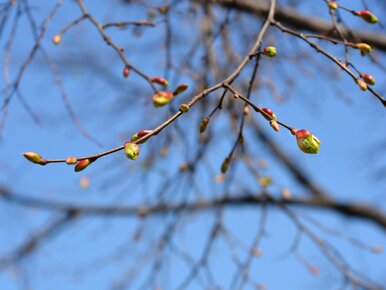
(264, 181)
(126, 72)
(204, 123)
(184, 108)
(225, 165)
(377, 249)
(246, 110)
(163, 9)
(71, 160)
(313, 270)
(56, 39)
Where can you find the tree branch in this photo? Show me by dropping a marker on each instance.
(298, 20)
(357, 210)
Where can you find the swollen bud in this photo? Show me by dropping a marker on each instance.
(184, 108)
(71, 160)
(35, 158)
(333, 5)
(269, 51)
(274, 125)
(56, 39)
(203, 125)
(140, 134)
(131, 150)
(162, 98)
(369, 79)
(180, 89)
(307, 142)
(364, 48)
(126, 72)
(361, 84)
(366, 16)
(82, 164)
(160, 81)
(269, 112)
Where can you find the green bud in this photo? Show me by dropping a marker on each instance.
(34, 158)
(131, 150)
(269, 51)
(367, 16)
(364, 48)
(162, 98)
(184, 108)
(307, 142)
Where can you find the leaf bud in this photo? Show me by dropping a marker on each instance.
(71, 160)
(269, 51)
(184, 108)
(332, 5)
(131, 150)
(269, 112)
(364, 48)
(361, 84)
(162, 98)
(56, 39)
(180, 89)
(307, 142)
(82, 164)
(34, 158)
(160, 81)
(274, 125)
(204, 124)
(140, 134)
(126, 72)
(369, 79)
(366, 16)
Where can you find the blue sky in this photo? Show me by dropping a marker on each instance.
(96, 253)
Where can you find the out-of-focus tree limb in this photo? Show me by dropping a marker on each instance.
(357, 210)
(295, 19)
(40, 236)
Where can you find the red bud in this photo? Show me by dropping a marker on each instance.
(126, 71)
(369, 79)
(82, 164)
(160, 81)
(181, 88)
(140, 134)
(302, 134)
(269, 112)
